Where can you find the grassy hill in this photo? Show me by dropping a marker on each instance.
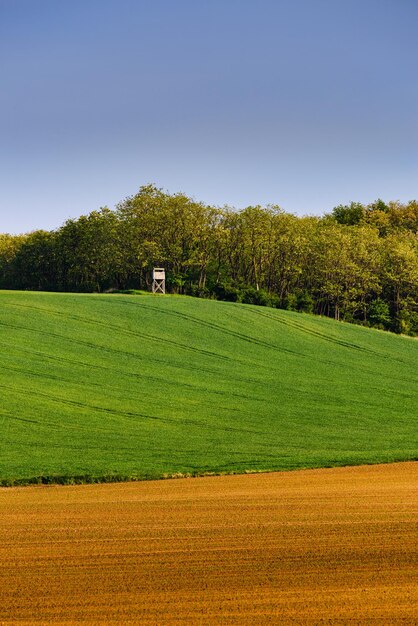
(100, 386)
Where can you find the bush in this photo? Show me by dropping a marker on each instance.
(225, 291)
(305, 302)
(379, 314)
(407, 323)
(291, 302)
(199, 292)
(250, 295)
(300, 300)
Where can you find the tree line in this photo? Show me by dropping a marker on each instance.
(358, 263)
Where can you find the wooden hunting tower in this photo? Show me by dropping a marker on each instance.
(158, 280)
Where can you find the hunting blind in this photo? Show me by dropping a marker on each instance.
(158, 280)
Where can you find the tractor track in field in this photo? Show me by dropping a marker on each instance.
(335, 546)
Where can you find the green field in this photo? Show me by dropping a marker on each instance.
(118, 386)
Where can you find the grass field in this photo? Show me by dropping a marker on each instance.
(118, 386)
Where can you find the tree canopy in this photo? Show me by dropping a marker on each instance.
(359, 263)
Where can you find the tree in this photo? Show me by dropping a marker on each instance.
(349, 214)
(358, 264)
(400, 278)
(34, 265)
(9, 247)
(90, 252)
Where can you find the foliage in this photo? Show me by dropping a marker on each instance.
(337, 265)
(379, 314)
(350, 214)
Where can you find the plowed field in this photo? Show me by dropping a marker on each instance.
(315, 546)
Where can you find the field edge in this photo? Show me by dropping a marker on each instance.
(91, 479)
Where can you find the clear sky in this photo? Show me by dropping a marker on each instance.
(302, 103)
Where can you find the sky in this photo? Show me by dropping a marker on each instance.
(302, 103)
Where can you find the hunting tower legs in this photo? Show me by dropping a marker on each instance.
(158, 280)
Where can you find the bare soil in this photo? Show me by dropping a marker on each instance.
(309, 547)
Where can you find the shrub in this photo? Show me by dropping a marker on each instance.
(379, 314)
(225, 291)
(250, 295)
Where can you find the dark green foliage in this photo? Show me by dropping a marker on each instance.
(300, 301)
(305, 302)
(226, 292)
(379, 314)
(407, 322)
(378, 205)
(291, 302)
(260, 297)
(350, 214)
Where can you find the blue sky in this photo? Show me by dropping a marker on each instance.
(302, 103)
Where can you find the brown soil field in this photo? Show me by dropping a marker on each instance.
(333, 546)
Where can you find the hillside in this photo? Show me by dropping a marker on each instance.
(118, 386)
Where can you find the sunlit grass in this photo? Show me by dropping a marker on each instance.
(133, 386)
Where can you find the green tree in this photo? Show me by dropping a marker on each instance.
(90, 252)
(349, 214)
(9, 247)
(400, 278)
(34, 265)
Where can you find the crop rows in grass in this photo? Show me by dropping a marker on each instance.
(107, 387)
